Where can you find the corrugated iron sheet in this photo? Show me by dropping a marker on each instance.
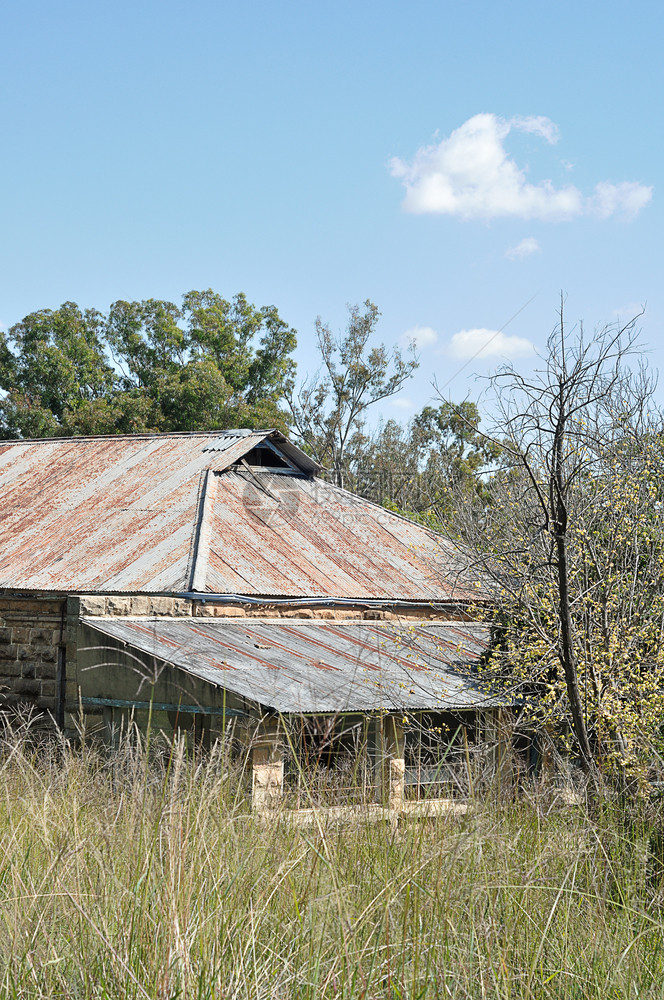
(123, 514)
(291, 451)
(306, 537)
(109, 514)
(318, 667)
(224, 442)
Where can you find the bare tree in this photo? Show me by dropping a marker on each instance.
(328, 408)
(573, 538)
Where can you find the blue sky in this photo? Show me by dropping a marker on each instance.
(452, 162)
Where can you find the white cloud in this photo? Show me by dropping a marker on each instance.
(627, 198)
(537, 125)
(420, 336)
(525, 248)
(471, 175)
(467, 344)
(402, 402)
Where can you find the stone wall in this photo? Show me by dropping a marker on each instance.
(341, 613)
(124, 605)
(139, 605)
(33, 653)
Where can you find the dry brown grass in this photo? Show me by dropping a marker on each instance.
(144, 875)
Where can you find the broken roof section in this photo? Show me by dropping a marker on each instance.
(307, 667)
(207, 512)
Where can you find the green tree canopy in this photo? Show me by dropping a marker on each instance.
(425, 467)
(145, 366)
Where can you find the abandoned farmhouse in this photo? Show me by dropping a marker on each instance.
(210, 581)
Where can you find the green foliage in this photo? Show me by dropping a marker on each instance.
(424, 468)
(448, 441)
(145, 366)
(328, 409)
(52, 364)
(616, 576)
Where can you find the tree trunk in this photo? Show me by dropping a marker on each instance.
(566, 652)
(568, 657)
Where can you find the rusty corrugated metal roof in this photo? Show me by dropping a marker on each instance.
(307, 537)
(153, 513)
(314, 667)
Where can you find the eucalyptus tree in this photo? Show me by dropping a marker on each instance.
(53, 367)
(147, 365)
(210, 363)
(328, 408)
(425, 466)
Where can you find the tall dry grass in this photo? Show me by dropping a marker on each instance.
(144, 875)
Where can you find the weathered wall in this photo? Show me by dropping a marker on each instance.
(39, 634)
(139, 604)
(106, 670)
(124, 605)
(34, 638)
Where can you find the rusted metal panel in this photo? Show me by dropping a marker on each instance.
(201, 547)
(109, 514)
(291, 451)
(315, 667)
(123, 514)
(320, 541)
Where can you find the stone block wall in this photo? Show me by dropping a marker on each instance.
(340, 613)
(152, 607)
(124, 605)
(33, 652)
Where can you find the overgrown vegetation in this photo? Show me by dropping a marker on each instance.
(571, 541)
(144, 875)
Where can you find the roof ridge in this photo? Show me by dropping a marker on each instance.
(141, 436)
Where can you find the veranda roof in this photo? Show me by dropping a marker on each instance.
(316, 667)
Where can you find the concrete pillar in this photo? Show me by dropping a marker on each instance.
(391, 762)
(267, 783)
(396, 787)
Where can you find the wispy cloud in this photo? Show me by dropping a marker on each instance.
(470, 174)
(402, 402)
(627, 197)
(525, 248)
(627, 312)
(480, 342)
(420, 336)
